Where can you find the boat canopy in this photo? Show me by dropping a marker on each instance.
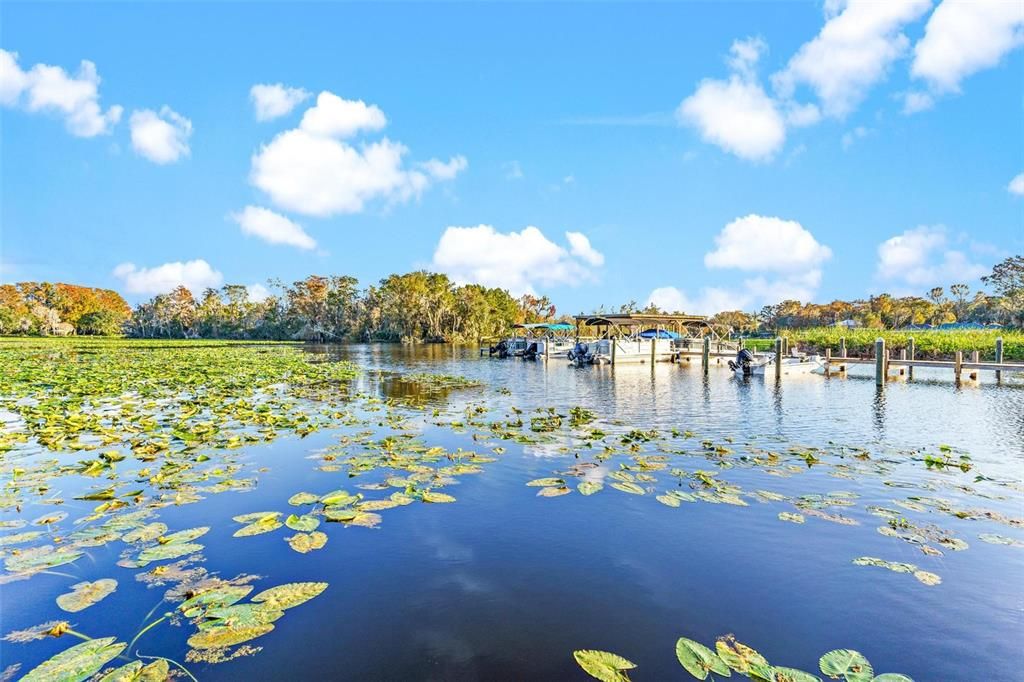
(659, 334)
(546, 326)
(638, 319)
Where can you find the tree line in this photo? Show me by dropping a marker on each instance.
(426, 306)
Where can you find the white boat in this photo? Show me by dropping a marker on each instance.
(629, 338)
(536, 341)
(751, 364)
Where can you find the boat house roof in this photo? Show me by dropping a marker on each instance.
(639, 319)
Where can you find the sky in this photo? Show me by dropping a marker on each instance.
(703, 156)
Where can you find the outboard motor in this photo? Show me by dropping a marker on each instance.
(744, 360)
(580, 354)
(531, 352)
(501, 349)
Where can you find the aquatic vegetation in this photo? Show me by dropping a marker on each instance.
(925, 577)
(85, 594)
(78, 662)
(441, 381)
(603, 665)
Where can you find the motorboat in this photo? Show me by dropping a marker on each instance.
(629, 338)
(749, 364)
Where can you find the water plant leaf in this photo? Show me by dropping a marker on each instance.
(632, 488)
(171, 551)
(546, 482)
(554, 491)
(85, 594)
(240, 615)
(892, 677)
(151, 531)
(288, 595)
(589, 487)
(187, 535)
(436, 497)
(299, 499)
(222, 595)
(77, 663)
(846, 664)
(304, 523)
(927, 578)
(604, 665)
(781, 674)
(338, 497)
(41, 558)
(364, 520)
(669, 501)
(157, 671)
(307, 542)
(791, 517)
(261, 522)
(742, 658)
(220, 637)
(996, 539)
(700, 660)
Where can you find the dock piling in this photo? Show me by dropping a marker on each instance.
(880, 368)
(999, 359)
(705, 358)
(958, 363)
(778, 357)
(828, 360)
(842, 347)
(975, 358)
(911, 352)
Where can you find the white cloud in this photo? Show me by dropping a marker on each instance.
(922, 258)
(195, 275)
(709, 301)
(258, 293)
(766, 244)
(311, 171)
(914, 102)
(963, 37)
(801, 115)
(160, 137)
(736, 114)
(852, 52)
(333, 116)
(1016, 185)
(517, 261)
(581, 248)
(51, 89)
(273, 101)
(272, 228)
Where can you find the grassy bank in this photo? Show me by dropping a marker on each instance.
(930, 344)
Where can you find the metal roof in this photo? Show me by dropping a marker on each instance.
(639, 319)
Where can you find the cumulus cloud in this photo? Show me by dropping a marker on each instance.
(767, 244)
(852, 52)
(272, 228)
(963, 37)
(851, 136)
(914, 102)
(336, 117)
(195, 275)
(708, 301)
(276, 100)
(160, 137)
(1016, 185)
(517, 261)
(312, 171)
(51, 89)
(736, 114)
(923, 257)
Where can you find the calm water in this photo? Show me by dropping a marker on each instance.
(503, 585)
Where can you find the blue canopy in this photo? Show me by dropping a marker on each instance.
(554, 326)
(659, 334)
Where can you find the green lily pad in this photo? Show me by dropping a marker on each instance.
(436, 497)
(151, 531)
(286, 596)
(171, 551)
(892, 677)
(791, 517)
(222, 595)
(927, 578)
(603, 665)
(304, 523)
(554, 491)
(632, 488)
(85, 594)
(546, 482)
(220, 637)
(157, 671)
(187, 535)
(299, 499)
(700, 660)
(589, 487)
(307, 542)
(240, 615)
(846, 664)
(743, 659)
(792, 675)
(77, 663)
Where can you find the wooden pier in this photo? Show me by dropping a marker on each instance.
(903, 365)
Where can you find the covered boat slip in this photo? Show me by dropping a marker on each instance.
(643, 337)
(539, 340)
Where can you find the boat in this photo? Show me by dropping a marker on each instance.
(536, 340)
(630, 338)
(749, 364)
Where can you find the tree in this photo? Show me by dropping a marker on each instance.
(100, 323)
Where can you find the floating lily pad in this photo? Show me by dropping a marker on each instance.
(892, 677)
(589, 487)
(436, 497)
(846, 664)
(77, 663)
(927, 578)
(157, 671)
(304, 523)
(546, 482)
(187, 535)
(286, 596)
(792, 675)
(220, 637)
(632, 488)
(791, 517)
(258, 523)
(603, 665)
(700, 660)
(669, 500)
(85, 594)
(742, 658)
(222, 595)
(240, 615)
(554, 491)
(307, 542)
(299, 499)
(171, 551)
(151, 531)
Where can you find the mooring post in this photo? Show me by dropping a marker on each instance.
(903, 357)
(547, 349)
(785, 345)
(958, 362)
(911, 353)
(975, 358)
(880, 362)
(778, 357)
(705, 358)
(999, 358)
(842, 347)
(614, 343)
(654, 345)
(828, 360)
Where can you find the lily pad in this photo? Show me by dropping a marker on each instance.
(626, 487)
(240, 615)
(699, 660)
(546, 482)
(742, 658)
(304, 523)
(669, 501)
(892, 677)
(299, 499)
(286, 596)
(307, 542)
(85, 594)
(220, 637)
(187, 535)
(589, 487)
(157, 671)
(846, 664)
(792, 675)
(791, 517)
(927, 578)
(554, 491)
(77, 663)
(436, 497)
(171, 551)
(222, 595)
(603, 665)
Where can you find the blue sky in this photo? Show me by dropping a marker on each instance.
(711, 155)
